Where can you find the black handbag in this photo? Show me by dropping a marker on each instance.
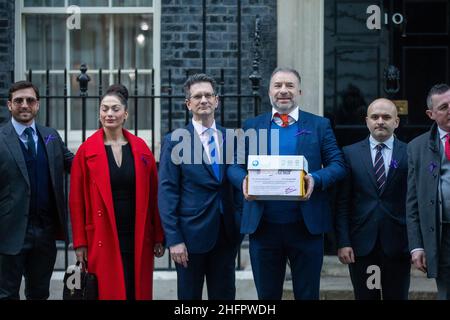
(79, 284)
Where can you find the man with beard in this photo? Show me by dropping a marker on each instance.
(371, 215)
(290, 230)
(33, 160)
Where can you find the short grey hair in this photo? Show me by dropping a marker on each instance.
(287, 70)
(436, 89)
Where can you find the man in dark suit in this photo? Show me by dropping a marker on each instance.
(370, 213)
(428, 199)
(289, 230)
(33, 159)
(196, 204)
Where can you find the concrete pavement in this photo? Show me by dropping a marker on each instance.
(335, 281)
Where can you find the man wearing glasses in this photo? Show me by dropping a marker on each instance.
(33, 159)
(196, 202)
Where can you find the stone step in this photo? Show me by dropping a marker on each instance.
(340, 288)
(335, 280)
(333, 267)
(164, 286)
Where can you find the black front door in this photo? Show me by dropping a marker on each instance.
(421, 52)
(413, 38)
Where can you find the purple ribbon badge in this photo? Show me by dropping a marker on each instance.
(144, 160)
(302, 132)
(393, 164)
(432, 166)
(49, 138)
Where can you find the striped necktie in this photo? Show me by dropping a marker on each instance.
(380, 172)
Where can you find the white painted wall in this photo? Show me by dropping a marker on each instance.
(300, 26)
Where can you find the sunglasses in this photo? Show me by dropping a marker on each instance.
(30, 101)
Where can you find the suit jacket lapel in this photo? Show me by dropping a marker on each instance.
(222, 153)
(367, 160)
(198, 152)
(264, 124)
(47, 138)
(397, 157)
(301, 138)
(13, 143)
(433, 159)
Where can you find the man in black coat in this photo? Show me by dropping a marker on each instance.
(370, 218)
(33, 159)
(428, 200)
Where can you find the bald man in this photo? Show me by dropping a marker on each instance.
(370, 219)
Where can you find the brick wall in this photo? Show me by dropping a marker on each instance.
(6, 52)
(181, 49)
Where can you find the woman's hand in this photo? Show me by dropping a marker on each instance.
(158, 250)
(81, 253)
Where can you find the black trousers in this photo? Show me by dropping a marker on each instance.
(443, 278)
(272, 245)
(395, 276)
(218, 266)
(35, 262)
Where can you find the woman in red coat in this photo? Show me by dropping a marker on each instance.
(113, 205)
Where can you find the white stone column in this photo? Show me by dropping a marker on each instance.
(300, 46)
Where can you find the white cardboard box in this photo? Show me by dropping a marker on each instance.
(277, 177)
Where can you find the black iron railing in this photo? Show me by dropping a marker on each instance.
(166, 100)
(49, 101)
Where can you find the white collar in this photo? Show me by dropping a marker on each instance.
(294, 114)
(442, 133)
(389, 143)
(20, 127)
(200, 128)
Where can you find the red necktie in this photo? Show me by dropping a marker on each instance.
(284, 118)
(447, 147)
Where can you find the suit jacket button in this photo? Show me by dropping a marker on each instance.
(100, 213)
(432, 229)
(100, 244)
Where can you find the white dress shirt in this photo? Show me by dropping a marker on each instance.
(20, 129)
(293, 116)
(443, 136)
(386, 152)
(204, 137)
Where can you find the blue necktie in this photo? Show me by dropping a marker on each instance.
(30, 142)
(213, 153)
(380, 172)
